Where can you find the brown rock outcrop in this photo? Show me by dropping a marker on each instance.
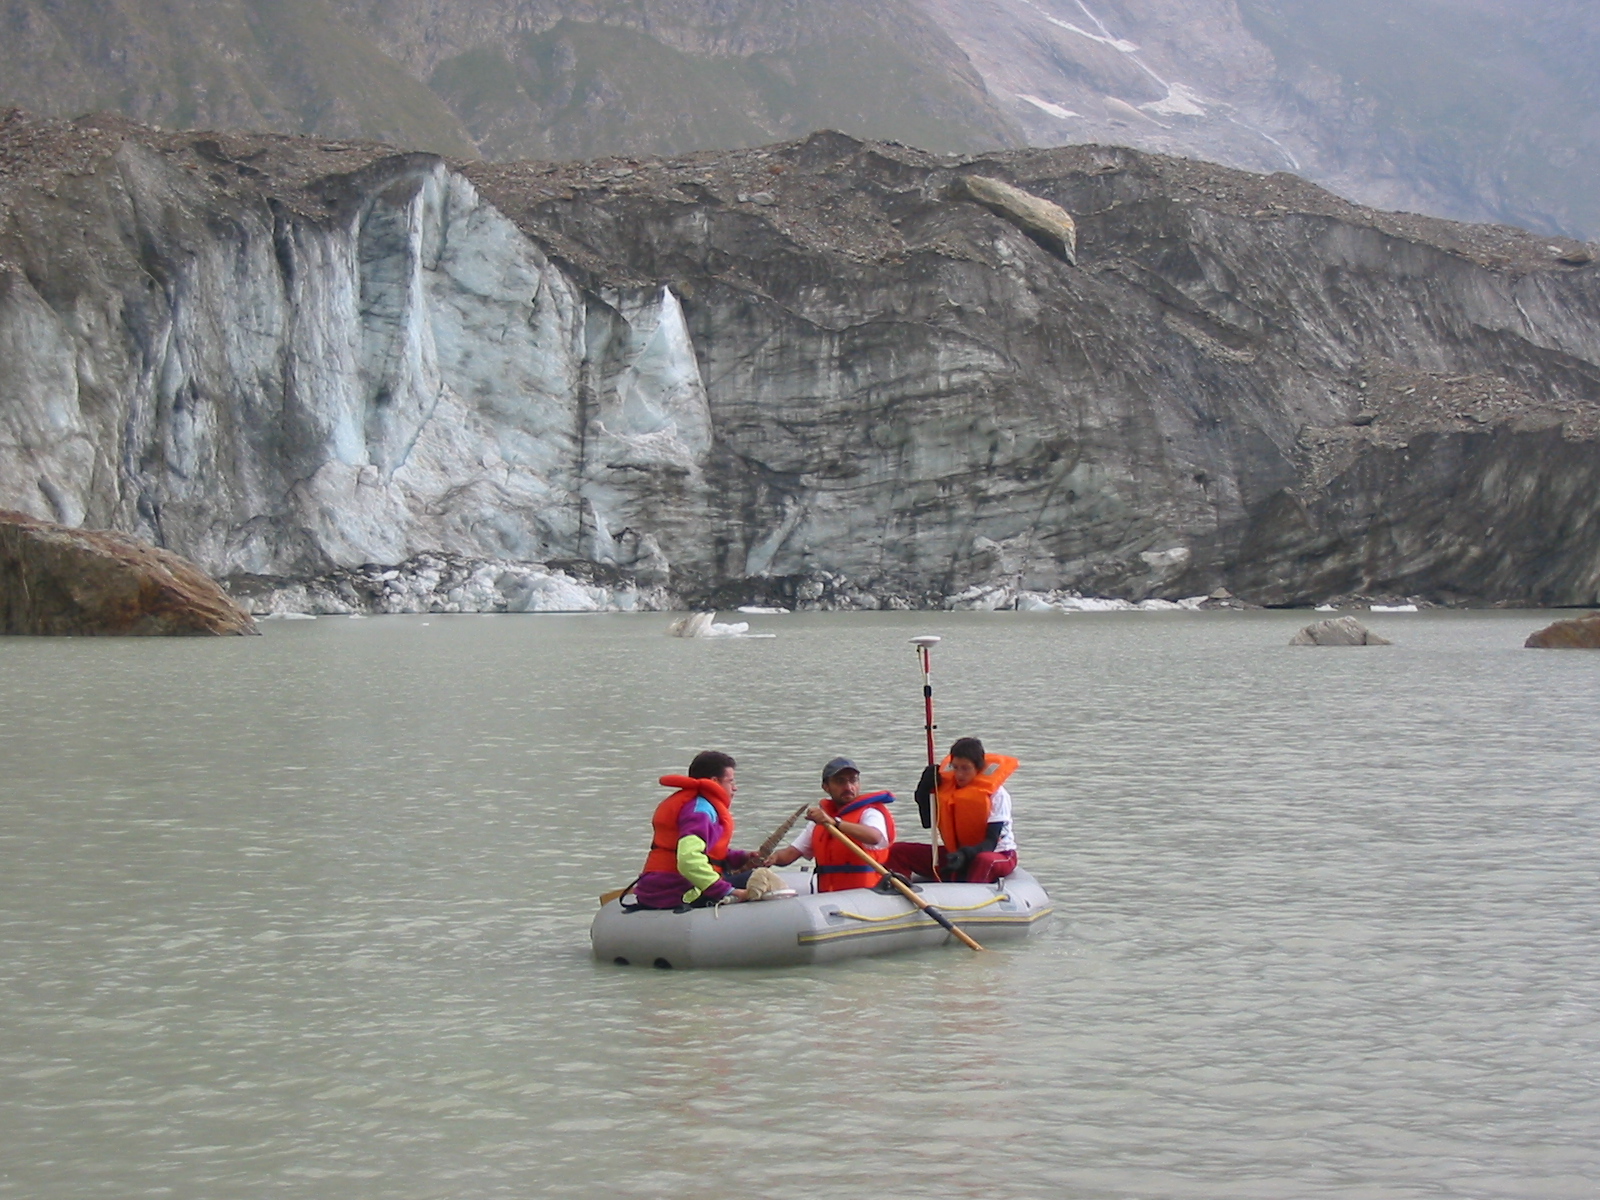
(55, 580)
(1578, 633)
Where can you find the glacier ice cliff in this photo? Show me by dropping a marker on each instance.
(810, 374)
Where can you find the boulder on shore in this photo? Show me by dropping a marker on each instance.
(60, 581)
(1338, 631)
(1576, 633)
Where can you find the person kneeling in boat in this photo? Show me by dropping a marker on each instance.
(975, 836)
(865, 820)
(690, 863)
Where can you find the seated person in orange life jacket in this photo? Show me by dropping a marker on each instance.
(974, 818)
(689, 862)
(864, 819)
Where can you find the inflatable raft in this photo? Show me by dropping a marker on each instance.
(812, 928)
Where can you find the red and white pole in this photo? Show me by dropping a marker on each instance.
(925, 647)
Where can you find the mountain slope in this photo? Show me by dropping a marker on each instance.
(509, 78)
(581, 78)
(284, 65)
(1476, 109)
(1488, 109)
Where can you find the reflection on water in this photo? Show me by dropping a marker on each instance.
(306, 915)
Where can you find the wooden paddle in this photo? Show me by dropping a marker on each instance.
(906, 891)
(764, 853)
(771, 844)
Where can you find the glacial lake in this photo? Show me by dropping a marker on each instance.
(306, 915)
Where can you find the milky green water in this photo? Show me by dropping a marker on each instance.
(306, 915)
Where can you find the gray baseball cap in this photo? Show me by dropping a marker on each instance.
(835, 765)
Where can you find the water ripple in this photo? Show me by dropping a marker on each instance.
(306, 914)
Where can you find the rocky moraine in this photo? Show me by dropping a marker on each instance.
(342, 377)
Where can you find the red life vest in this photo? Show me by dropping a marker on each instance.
(664, 842)
(964, 812)
(837, 868)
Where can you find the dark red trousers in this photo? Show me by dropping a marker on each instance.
(916, 858)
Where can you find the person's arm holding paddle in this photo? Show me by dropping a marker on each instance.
(872, 836)
(842, 781)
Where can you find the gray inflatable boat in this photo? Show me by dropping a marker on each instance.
(811, 928)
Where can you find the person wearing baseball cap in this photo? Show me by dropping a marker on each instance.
(865, 820)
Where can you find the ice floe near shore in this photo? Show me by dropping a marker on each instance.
(443, 584)
(436, 583)
(997, 599)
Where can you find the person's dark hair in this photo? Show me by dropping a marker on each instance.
(970, 749)
(710, 764)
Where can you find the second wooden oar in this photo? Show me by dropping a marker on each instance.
(906, 891)
(771, 844)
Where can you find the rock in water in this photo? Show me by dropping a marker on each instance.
(1578, 633)
(1338, 631)
(1048, 224)
(55, 580)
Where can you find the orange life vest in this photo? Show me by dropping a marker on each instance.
(664, 842)
(837, 868)
(964, 812)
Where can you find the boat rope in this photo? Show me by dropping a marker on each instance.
(949, 908)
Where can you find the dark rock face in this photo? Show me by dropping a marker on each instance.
(1580, 633)
(800, 371)
(77, 582)
(1339, 631)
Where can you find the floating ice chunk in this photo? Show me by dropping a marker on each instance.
(1055, 110)
(693, 626)
(704, 625)
(1193, 603)
(1393, 608)
(1327, 608)
(738, 629)
(288, 616)
(755, 610)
